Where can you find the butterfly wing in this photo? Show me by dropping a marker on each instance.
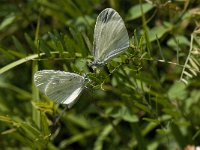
(62, 87)
(110, 36)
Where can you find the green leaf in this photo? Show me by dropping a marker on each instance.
(30, 42)
(149, 127)
(172, 112)
(162, 131)
(179, 136)
(7, 119)
(159, 31)
(18, 45)
(79, 121)
(151, 120)
(44, 47)
(79, 136)
(135, 11)
(178, 40)
(16, 53)
(196, 134)
(6, 53)
(98, 145)
(30, 131)
(142, 107)
(7, 21)
(177, 91)
(18, 90)
(124, 114)
(33, 134)
(45, 126)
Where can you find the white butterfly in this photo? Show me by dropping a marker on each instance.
(110, 37)
(60, 86)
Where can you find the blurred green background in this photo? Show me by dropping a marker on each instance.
(145, 99)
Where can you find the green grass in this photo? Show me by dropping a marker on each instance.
(147, 98)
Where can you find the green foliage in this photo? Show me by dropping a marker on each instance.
(147, 98)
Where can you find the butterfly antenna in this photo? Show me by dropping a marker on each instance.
(62, 113)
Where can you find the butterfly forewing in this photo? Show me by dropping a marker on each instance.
(62, 87)
(110, 36)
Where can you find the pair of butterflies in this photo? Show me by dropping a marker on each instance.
(110, 39)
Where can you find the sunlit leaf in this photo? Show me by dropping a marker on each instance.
(135, 11)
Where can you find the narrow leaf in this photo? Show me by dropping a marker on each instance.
(18, 45)
(30, 42)
(7, 21)
(193, 72)
(135, 11)
(184, 81)
(187, 74)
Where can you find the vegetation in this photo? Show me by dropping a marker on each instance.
(147, 98)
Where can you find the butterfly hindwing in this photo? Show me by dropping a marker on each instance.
(110, 36)
(62, 87)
